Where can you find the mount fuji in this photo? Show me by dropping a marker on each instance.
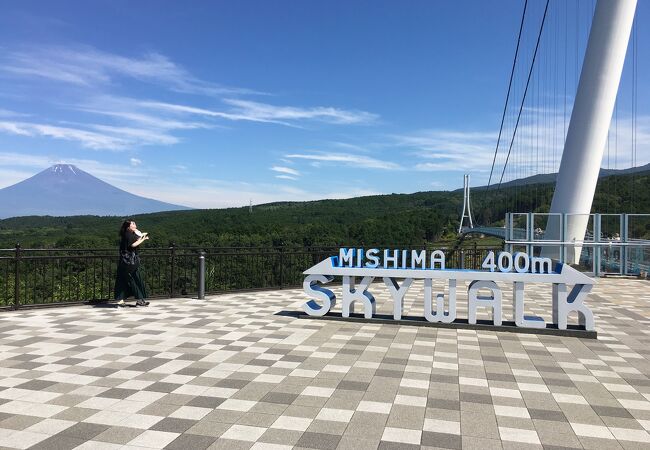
(66, 190)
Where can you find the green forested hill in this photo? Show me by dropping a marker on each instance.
(374, 220)
(381, 219)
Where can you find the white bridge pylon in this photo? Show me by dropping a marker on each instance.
(590, 119)
(466, 206)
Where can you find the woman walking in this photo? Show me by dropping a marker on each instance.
(129, 280)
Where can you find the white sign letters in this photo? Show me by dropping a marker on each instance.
(483, 291)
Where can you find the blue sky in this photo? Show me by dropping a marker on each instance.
(215, 104)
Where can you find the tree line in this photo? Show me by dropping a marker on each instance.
(394, 219)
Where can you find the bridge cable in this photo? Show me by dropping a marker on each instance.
(634, 114)
(505, 107)
(523, 100)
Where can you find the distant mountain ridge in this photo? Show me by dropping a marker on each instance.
(543, 178)
(66, 190)
(382, 221)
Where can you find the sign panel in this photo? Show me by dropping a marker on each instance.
(394, 265)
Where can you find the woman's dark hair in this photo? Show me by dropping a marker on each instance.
(125, 226)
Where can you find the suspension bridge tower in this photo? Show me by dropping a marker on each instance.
(466, 206)
(590, 118)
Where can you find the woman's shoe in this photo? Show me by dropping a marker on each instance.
(121, 303)
(142, 302)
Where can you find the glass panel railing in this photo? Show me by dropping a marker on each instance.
(586, 261)
(611, 259)
(638, 227)
(579, 228)
(610, 227)
(519, 231)
(638, 260)
(547, 227)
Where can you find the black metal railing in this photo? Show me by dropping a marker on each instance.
(38, 277)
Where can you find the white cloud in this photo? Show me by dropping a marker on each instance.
(352, 147)
(135, 162)
(360, 161)
(187, 190)
(286, 171)
(158, 122)
(537, 149)
(90, 76)
(263, 111)
(179, 168)
(449, 150)
(134, 126)
(98, 137)
(620, 145)
(19, 166)
(435, 167)
(23, 160)
(190, 191)
(88, 139)
(9, 177)
(185, 109)
(209, 193)
(7, 113)
(245, 110)
(130, 127)
(16, 167)
(138, 136)
(87, 66)
(120, 175)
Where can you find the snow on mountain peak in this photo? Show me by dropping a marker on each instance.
(64, 168)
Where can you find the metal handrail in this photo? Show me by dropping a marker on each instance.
(37, 277)
(635, 243)
(611, 248)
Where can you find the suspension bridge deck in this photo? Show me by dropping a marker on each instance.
(499, 232)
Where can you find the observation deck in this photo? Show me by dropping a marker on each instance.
(238, 371)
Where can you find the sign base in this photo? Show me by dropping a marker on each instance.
(483, 325)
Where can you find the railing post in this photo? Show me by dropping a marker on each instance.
(510, 231)
(563, 234)
(172, 271)
(462, 258)
(475, 257)
(624, 239)
(17, 278)
(530, 232)
(597, 248)
(201, 295)
(281, 266)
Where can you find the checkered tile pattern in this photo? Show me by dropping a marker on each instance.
(233, 372)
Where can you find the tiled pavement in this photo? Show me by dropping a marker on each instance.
(229, 372)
